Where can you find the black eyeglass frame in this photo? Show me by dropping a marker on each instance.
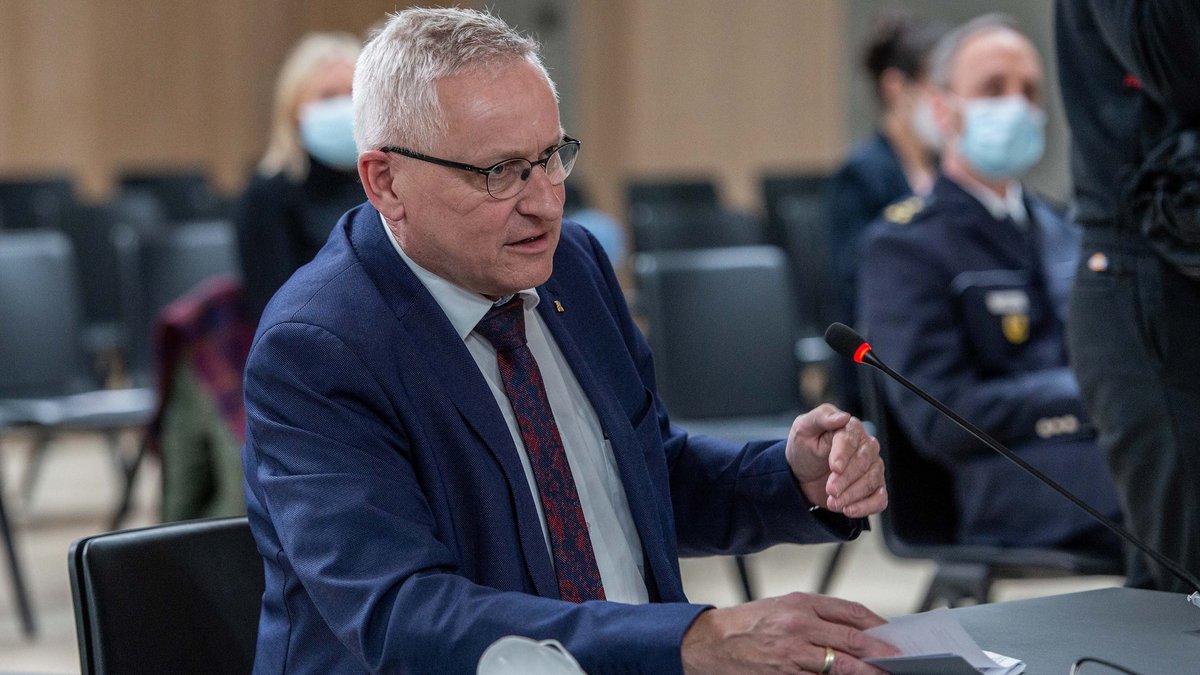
(487, 171)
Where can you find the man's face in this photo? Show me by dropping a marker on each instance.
(993, 64)
(450, 225)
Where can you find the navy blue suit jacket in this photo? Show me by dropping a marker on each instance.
(387, 497)
(973, 310)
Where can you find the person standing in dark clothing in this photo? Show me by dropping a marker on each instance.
(307, 178)
(1129, 71)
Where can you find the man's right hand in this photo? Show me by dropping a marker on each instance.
(787, 634)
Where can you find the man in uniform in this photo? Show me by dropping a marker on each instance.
(966, 291)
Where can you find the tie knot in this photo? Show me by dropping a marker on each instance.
(504, 326)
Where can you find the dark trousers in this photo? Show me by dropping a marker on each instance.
(1134, 338)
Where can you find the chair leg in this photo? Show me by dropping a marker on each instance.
(744, 577)
(129, 477)
(831, 568)
(958, 582)
(24, 608)
(33, 468)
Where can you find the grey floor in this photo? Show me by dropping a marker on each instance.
(77, 487)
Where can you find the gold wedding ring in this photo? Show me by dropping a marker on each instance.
(827, 667)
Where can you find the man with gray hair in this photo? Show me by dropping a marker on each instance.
(966, 290)
(453, 430)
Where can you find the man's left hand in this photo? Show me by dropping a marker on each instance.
(837, 462)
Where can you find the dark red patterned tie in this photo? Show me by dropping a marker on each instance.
(574, 560)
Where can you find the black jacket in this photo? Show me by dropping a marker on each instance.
(1130, 75)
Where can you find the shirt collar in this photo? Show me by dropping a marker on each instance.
(464, 308)
(1012, 205)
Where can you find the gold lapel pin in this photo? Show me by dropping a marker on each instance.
(558, 307)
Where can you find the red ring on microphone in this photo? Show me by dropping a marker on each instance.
(861, 352)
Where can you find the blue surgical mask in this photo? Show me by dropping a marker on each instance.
(327, 132)
(1002, 137)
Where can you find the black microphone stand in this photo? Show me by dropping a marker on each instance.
(861, 352)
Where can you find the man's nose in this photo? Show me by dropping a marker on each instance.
(540, 198)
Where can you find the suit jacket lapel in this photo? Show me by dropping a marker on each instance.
(617, 429)
(451, 367)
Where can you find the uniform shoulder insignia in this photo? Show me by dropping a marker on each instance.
(903, 211)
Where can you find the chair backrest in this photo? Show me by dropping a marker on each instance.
(695, 192)
(36, 203)
(721, 327)
(790, 197)
(921, 508)
(182, 195)
(162, 266)
(176, 598)
(795, 220)
(667, 227)
(40, 349)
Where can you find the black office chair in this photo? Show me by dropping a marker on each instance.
(795, 221)
(788, 196)
(176, 598)
(159, 266)
(666, 227)
(16, 575)
(659, 191)
(722, 330)
(183, 195)
(91, 228)
(155, 269)
(720, 323)
(919, 522)
(35, 203)
(45, 384)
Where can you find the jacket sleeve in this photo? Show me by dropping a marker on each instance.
(910, 320)
(330, 463)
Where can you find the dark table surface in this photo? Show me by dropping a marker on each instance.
(1148, 632)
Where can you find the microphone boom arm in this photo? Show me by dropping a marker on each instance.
(840, 336)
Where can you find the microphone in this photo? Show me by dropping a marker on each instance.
(850, 344)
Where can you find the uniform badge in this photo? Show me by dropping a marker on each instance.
(902, 212)
(1015, 327)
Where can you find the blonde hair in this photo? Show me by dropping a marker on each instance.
(395, 81)
(285, 153)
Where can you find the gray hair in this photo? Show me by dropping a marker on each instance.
(942, 57)
(395, 81)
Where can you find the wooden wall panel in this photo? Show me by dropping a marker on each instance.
(95, 87)
(709, 88)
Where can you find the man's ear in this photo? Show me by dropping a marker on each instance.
(375, 172)
(945, 114)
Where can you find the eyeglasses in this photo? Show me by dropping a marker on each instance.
(506, 179)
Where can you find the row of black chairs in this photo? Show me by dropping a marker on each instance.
(48, 382)
(689, 214)
(47, 202)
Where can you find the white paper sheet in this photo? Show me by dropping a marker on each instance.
(938, 632)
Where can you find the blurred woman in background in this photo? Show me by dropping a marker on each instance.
(308, 177)
(897, 161)
(306, 180)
